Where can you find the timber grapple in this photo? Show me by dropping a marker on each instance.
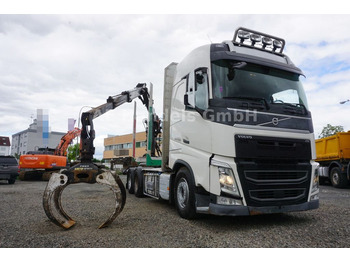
(80, 173)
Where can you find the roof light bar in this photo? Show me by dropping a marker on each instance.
(248, 37)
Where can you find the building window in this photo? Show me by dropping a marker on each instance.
(125, 146)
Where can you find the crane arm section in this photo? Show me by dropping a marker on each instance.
(87, 148)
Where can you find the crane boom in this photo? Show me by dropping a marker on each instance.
(87, 148)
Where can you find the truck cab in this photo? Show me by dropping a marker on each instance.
(241, 138)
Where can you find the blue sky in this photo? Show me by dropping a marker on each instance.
(64, 62)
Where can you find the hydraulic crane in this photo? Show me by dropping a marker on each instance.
(86, 171)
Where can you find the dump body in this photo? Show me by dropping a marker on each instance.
(333, 155)
(334, 147)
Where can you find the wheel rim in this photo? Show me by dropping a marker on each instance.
(182, 193)
(335, 178)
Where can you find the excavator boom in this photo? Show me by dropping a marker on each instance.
(61, 149)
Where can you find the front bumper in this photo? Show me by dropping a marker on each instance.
(226, 210)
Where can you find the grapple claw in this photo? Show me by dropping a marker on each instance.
(82, 172)
(119, 191)
(53, 193)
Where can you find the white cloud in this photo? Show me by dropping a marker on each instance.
(64, 62)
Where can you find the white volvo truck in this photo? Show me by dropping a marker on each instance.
(238, 137)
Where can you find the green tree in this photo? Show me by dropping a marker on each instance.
(330, 130)
(73, 152)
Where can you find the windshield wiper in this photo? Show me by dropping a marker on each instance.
(293, 108)
(267, 106)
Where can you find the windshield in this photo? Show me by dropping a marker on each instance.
(240, 80)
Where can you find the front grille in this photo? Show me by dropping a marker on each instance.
(273, 171)
(268, 184)
(275, 176)
(277, 194)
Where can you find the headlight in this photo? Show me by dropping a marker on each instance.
(227, 182)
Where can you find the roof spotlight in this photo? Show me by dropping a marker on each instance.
(243, 35)
(276, 44)
(255, 38)
(266, 41)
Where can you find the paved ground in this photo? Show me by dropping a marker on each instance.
(147, 222)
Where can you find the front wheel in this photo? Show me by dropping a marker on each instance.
(338, 179)
(184, 194)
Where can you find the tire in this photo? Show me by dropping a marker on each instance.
(131, 182)
(184, 194)
(127, 179)
(338, 179)
(138, 182)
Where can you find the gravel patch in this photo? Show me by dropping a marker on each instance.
(147, 222)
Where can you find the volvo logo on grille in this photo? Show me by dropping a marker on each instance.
(245, 137)
(275, 121)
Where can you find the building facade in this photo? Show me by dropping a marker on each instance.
(121, 146)
(4, 146)
(36, 136)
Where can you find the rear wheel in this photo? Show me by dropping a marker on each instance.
(127, 179)
(131, 182)
(138, 182)
(338, 179)
(184, 194)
